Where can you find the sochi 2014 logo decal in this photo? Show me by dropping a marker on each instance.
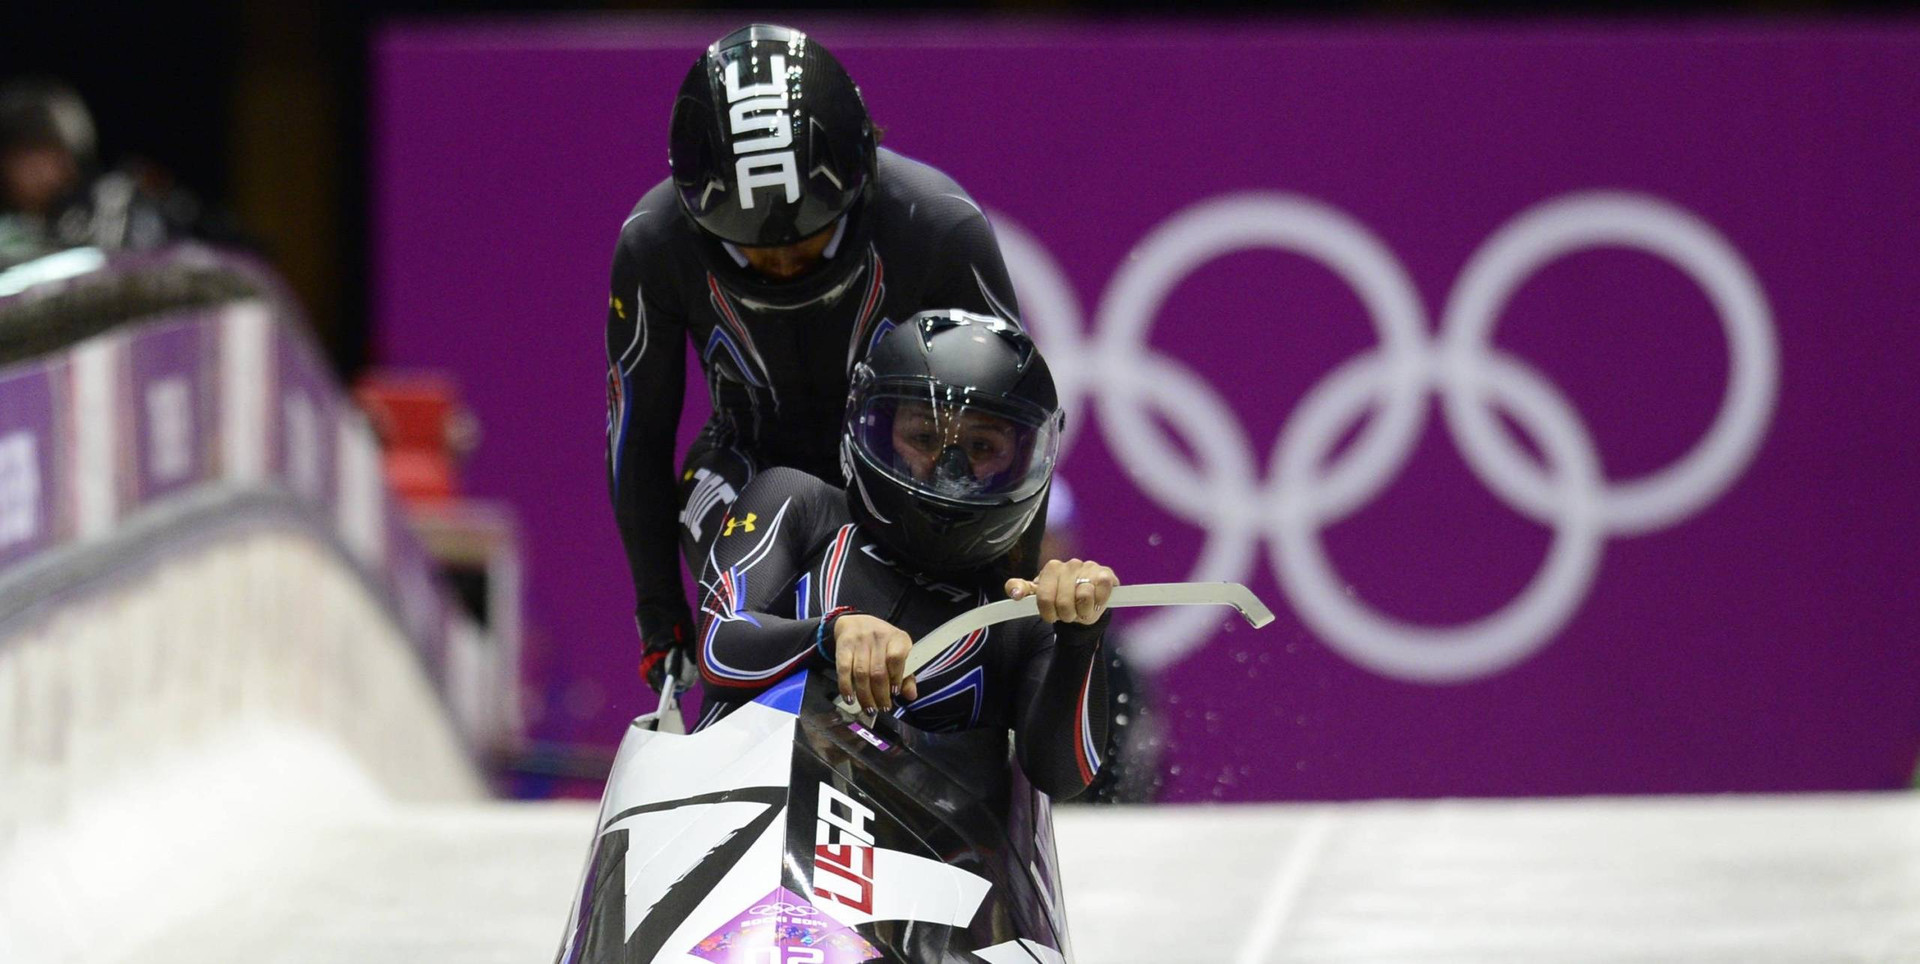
(1312, 481)
(784, 929)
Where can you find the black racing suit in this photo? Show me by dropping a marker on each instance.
(777, 357)
(790, 560)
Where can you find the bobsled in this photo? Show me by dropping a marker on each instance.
(797, 830)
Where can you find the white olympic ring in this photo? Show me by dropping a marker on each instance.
(1219, 491)
(788, 910)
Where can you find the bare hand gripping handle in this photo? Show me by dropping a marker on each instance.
(935, 642)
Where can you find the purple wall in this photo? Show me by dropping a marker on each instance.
(1625, 316)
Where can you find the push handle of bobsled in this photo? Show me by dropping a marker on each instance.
(666, 717)
(929, 647)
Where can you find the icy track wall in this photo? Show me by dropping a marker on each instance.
(214, 622)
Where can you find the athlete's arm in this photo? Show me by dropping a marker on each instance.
(748, 638)
(646, 380)
(1060, 710)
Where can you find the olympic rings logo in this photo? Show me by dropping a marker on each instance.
(784, 910)
(1302, 493)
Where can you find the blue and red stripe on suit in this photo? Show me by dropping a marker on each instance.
(769, 590)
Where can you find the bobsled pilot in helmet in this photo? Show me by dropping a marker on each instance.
(951, 432)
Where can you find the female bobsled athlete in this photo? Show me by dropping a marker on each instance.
(785, 241)
(950, 436)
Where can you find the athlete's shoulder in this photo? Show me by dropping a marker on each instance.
(781, 485)
(658, 252)
(801, 510)
(655, 223)
(910, 191)
(898, 173)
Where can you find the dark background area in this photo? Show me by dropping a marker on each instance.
(259, 105)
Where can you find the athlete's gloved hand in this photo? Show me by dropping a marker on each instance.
(871, 657)
(664, 633)
(1074, 591)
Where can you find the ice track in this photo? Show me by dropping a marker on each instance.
(1833, 878)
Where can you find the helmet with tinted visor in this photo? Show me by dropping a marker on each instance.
(951, 434)
(953, 444)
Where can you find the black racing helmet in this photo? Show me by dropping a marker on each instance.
(771, 142)
(951, 435)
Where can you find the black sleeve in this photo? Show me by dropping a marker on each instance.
(971, 273)
(646, 379)
(748, 636)
(1060, 708)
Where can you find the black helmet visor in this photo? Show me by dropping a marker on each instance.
(954, 444)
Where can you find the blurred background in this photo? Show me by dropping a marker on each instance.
(1548, 368)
